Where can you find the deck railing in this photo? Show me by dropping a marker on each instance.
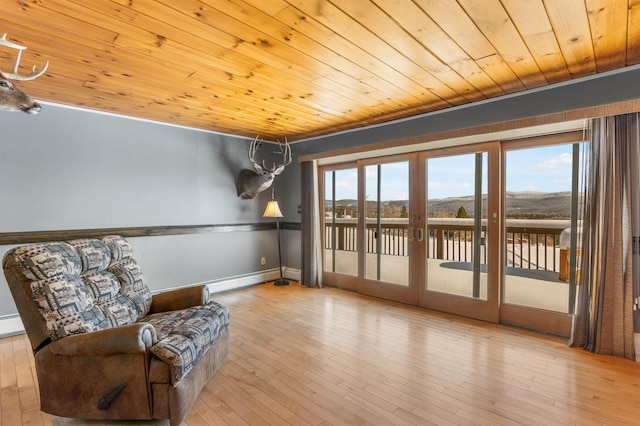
(531, 244)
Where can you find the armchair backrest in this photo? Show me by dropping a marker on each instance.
(79, 286)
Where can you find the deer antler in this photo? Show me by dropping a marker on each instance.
(286, 157)
(255, 144)
(286, 153)
(14, 74)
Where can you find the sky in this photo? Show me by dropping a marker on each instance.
(542, 169)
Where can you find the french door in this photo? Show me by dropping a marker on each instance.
(390, 228)
(372, 226)
(392, 239)
(462, 249)
(454, 230)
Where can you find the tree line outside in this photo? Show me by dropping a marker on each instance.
(388, 209)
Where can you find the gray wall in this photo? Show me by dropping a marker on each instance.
(70, 169)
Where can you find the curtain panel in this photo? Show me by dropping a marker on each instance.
(604, 316)
(311, 274)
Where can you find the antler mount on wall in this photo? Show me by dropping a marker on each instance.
(250, 183)
(13, 98)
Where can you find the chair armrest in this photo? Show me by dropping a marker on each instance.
(127, 339)
(181, 298)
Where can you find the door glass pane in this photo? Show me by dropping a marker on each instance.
(456, 225)
(387, 222)
(340, 234)
(538, 209)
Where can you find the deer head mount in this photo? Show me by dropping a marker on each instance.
(11, 97)
(250, 183)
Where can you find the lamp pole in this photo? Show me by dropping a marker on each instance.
(281, 281)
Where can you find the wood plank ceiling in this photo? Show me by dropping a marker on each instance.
(303, 68)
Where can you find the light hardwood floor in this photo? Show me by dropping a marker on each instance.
(304, 356)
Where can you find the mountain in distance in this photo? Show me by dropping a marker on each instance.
(522, 204)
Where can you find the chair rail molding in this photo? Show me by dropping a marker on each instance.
(29, 237)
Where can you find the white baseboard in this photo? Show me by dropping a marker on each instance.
(252, 279)
(11, 324)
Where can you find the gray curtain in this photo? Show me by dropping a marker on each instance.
(309, 272)
(603, 320)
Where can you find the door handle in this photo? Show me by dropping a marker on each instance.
(420, 234)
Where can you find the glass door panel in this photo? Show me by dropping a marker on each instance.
(340, 221)
(387, 223)
(457, 247)
(540, 204)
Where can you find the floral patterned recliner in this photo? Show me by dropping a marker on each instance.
(104, 347)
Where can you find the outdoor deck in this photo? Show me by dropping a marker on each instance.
(533, 288)
(534, 275)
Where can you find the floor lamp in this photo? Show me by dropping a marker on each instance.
(273, 210)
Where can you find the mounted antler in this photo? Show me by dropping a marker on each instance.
(11, 97)
(14, 74)
(250, 183)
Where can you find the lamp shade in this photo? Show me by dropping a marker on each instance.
(272, 210)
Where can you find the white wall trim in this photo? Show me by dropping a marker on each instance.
(227, 284)
(11, 325)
